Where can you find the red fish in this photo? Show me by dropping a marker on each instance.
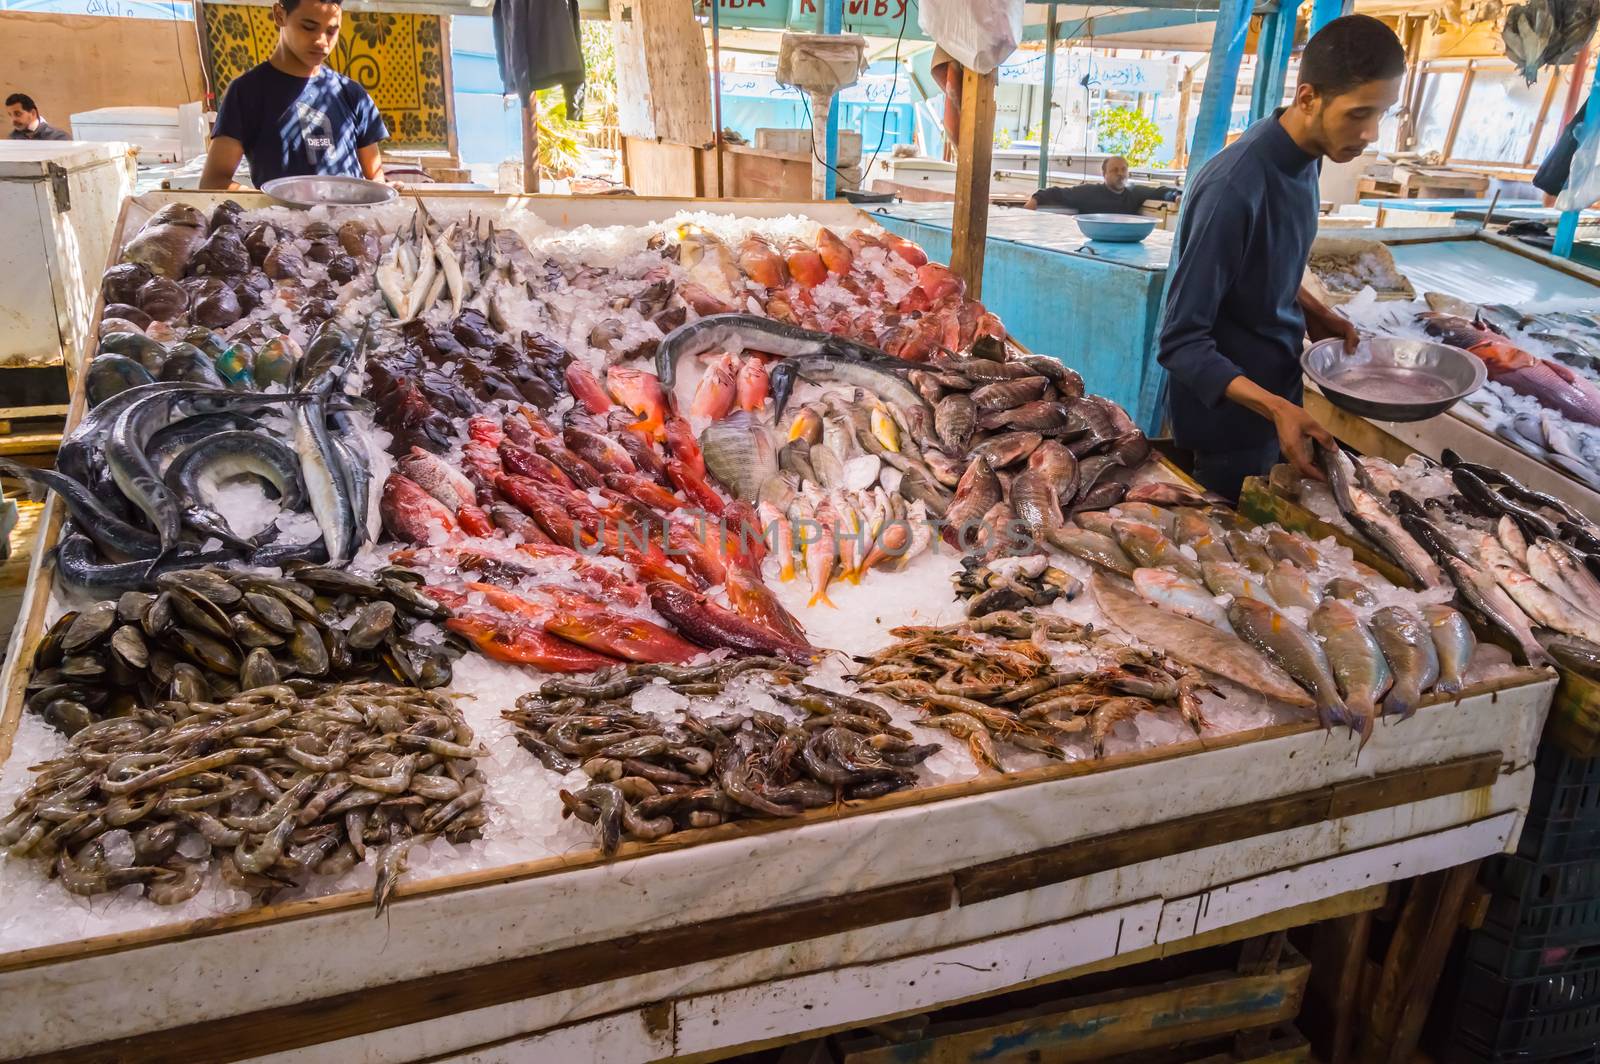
(519, 461)
(703, 302)
(805, 265)
(589, 623)
(646, 491)
(602, 452)
(504, 638)
(485, 430)
(684, 447)
(645, 455)
(534, 420)
(473, 521)
(586, 389)
(905, 249)
(835, 253)
(616, 585)
(581, 473)
(714, 395)
(937, 280)
(750, 386)
(755, 602)
(1554, 385)
(712, 626)
(413, 515)
(693, 544)
(745, 536)
(695, 489)
(640, 391)
(761, 262)
(536, 500)
(510, 520)
(437, 477)
(481, 464)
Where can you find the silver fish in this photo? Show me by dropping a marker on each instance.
(1357, 661)
(1180, 595)
(1455, 643)
(1553, 565)
(740, 453)
(1408, 646)
(327, 486)
(1295, 650)
(1093, 547)
(1383, 528)
(1480, 591)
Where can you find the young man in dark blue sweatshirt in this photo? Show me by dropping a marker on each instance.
(1236, 314)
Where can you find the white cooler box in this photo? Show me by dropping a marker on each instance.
(58, 207)
(156, 132)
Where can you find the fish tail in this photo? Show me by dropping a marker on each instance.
(1361, 718)
(1400, 704)
(821, 595)
(786, 570)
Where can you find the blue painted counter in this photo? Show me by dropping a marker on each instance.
(1093, 305)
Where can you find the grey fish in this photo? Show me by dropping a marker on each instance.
(1248, 553)
(1004, 395)
(1195, 643)
(827, 465)
(1006, 448)
(735, 332)
(225, 455)
(918, 485)
(1093, 547)
(79, 566)
(1290, 586)
(1033, 500)
(1408, 646)
(1455, 643)
(1342, 587)
(740, 453)
(1579, 655)
(977, 494)
(1146, 545)
(1381, 526)
(886, 382)
(1060, 467)
(1295, 650)
(1479, 590)
(1230, 578)
(173, 440)
(1553, 565)
(954, 419)
(1357, 661)
(108, 531)
(321, 471)
(796, 458)
(1181, 595)
(109, 374)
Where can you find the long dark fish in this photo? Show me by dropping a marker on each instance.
(79, 567)
(725, 332)
(887, 382)
(225, 455)
(108, 531)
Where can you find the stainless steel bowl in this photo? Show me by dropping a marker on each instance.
(314, 190)
(1391, 379)
(1117, 228)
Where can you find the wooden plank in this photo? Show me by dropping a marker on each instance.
(410, 1001)
(1096, 1026)
(1412, 964)
(30, 443)
(1339, 950)
(26, 413)
(530, 145)
(1097, 854)
(1402, 788)
(970, 220)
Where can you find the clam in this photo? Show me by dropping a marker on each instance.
(68, 716)
(372, 623)
(214, 654)
(249, 632)
(89, 627)
(189, 684)
(307, 650)
(200, 613)
(132, 604)
(259, 669)
(158, 615)
(270, 610)
(48, 653)
(128, 646)
(78, 667)
(337, 581)
(204, 582)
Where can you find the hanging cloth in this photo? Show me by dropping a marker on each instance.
(536, 44)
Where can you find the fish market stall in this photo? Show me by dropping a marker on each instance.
(1538, 414)
(1093, 304)
(351, 616)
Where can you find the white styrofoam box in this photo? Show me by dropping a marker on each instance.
(58, 207)
(798, 142)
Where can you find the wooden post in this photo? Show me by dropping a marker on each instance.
(970, 225)
(1338, 955)
(530, 145)
(1180, 154)
(451, 143)
(1411, 967)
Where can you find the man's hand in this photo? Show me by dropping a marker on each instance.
(1325, 323)
(1296, 428)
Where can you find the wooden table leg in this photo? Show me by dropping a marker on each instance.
(1411, 967)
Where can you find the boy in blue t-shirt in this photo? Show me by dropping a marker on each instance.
(293, 116)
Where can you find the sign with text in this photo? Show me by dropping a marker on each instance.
(1103, 72)
(872, 18)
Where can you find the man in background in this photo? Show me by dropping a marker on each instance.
(26, 123)
(1113, 195)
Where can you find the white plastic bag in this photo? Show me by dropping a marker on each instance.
(978, 34)
(1583, 180)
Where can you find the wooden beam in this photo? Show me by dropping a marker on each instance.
(1338, 952)
(530, 145)
(1461, 109)
(970, 226)
(1412, 964)
(1544, 108)
(451, 142)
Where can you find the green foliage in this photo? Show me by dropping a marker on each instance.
(560, 138)
(599, 45)
(1002, 138)
(1128, 133)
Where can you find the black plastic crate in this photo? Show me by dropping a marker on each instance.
(1543, 905)
(1563, 821)
(1462, 1050)
(1554, 1013)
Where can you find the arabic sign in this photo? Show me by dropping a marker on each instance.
(1104, 72)
(873, 18)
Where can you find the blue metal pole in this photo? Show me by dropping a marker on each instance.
(1272, 61)
(1325, 11)
(1266, 42)
(1222, 79)
(833, 22)
(1049, 92)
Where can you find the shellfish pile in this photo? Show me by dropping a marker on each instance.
(207, 634)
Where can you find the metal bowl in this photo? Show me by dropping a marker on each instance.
(1116, 228)
(314, 190)
(1391, 379)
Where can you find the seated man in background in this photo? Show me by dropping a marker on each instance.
(26, 123)
(1113, 195)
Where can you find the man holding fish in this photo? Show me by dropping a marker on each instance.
(1236, 313)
